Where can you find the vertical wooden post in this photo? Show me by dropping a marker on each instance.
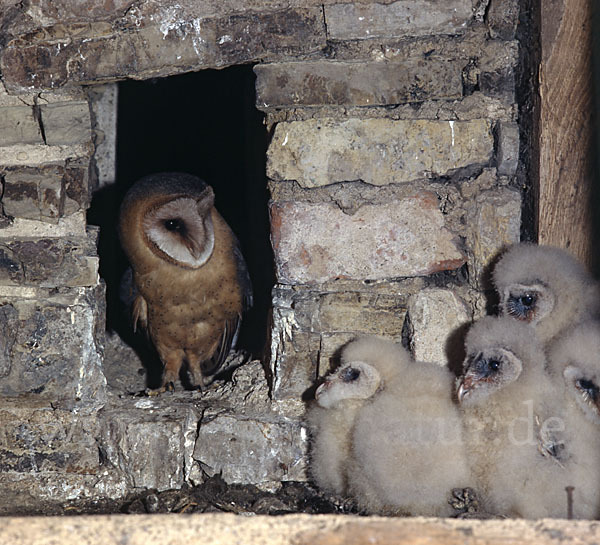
(566, 158)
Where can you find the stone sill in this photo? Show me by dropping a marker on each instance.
(228, 529)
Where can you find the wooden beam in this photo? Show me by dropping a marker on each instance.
(566, 160)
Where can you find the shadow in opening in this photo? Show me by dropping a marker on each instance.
(205, 124)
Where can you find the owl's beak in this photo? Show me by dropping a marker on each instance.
(324, 386)
(194, 248)
(465, 386)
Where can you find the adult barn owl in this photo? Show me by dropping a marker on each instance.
(189, 280)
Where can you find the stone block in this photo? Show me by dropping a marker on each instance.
(153, 448)
(68, 226)
(502, 18)
(48, 493)
(294, 360)
(314, 243)
(397, 19)
(247, 449)
(324, 151)
(27, 155)
(45, 193)
(356, 83)
(507, 143)
(50, 262)
(435, 314)
(66, 123)
(173, 40)
(51, 348)
(362, 313)
(494, 222)
(19, 126)
(294, 345)
(42, 439)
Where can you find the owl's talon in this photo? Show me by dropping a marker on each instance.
(152, 392)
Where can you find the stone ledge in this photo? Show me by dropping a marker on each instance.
(226, 529)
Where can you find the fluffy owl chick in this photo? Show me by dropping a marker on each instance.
(576, 361)
(189, 278)
(546, 287)
(407, 446)
(574, 364)
(340, 397)
(513, 419)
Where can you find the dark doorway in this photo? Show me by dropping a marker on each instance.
(206, 124)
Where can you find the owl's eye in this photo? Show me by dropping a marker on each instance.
(527, 300)
(589, 388)
(494, 365)
(350, 374)
(174, 224)
(522, 307)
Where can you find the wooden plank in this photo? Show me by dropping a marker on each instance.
(229, 529)
(565, 127)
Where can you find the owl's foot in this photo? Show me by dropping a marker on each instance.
(465, 501)
(167, 387)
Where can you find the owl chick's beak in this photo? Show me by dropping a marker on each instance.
(465, 386)
(322, 388)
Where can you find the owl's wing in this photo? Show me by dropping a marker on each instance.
(243, 276)
(131, 298)
(227, 341)
(231, 329)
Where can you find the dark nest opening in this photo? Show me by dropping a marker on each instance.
(205, 124)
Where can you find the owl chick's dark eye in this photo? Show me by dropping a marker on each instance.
(493, 365)
(589, 388)
(175, 224)
(522, 306)
(527, 300)
(350, 374)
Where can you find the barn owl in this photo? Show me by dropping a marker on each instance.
(518, 434)
(407, 451)
(546, 287)
(367, 364)
(190, 281)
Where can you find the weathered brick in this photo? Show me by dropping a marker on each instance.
(294, 346)
(48, 262)
(45, 439)
(352, 83)
(257, 450)
(398, 19)
(153, 452)
(362, 313)
(142, 43)
(502, 18)
(66, 123)
(507, 154)
(51, 347)
(318, 152)
(494, 222)
(434, 315)
(34, 193)
(18, 126)
(29, 154)
(318, 242)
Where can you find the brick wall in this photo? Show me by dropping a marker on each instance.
(392, 172)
